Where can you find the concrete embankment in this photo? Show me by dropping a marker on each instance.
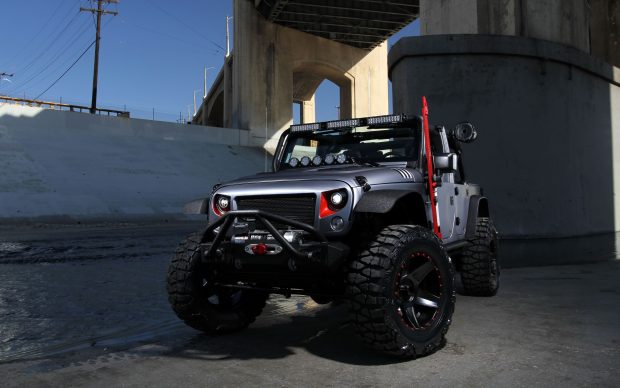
(68, 165)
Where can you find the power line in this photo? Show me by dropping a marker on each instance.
(50, 74)
(20, 87)
(31, 63)
(66, 71)
(170, 36)
(186, 25)
(62, 51)
(36, 35)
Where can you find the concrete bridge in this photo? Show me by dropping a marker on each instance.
(283, 50)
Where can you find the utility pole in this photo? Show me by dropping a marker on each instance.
(99, 11)
(228, 19)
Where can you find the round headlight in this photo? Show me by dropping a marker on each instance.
(317, 160)
(294, 162)
(329, 158)
(305, 161)
(220, 204)
(341, 158)
(223, 203)
(336, 198)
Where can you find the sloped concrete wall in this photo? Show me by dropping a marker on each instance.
(66, 164)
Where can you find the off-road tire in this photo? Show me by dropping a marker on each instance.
(479, 265)
(375, 280)
(193, 302)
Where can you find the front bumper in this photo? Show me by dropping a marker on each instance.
(231, 243)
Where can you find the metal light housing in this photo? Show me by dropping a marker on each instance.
(221, 204)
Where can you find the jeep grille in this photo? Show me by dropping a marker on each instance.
(296, 207)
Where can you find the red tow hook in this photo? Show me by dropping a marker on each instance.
(259, 249)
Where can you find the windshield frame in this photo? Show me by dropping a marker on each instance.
(284, 153)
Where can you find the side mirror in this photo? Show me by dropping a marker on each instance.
(465, 132)
(446, 162)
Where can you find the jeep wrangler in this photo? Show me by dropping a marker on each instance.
(376, 211)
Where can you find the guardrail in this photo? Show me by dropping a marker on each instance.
(61, 106)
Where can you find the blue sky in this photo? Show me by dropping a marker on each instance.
(152, 54)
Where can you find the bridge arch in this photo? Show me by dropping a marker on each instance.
(308, 76)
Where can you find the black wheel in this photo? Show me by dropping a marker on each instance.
(479, 264)
(204, 306)
(401, 292)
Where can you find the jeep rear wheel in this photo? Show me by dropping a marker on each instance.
(479, 265)
(401, 292)
(202, 305)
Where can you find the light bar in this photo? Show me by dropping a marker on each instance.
(305, 127)
(388, 119)
(343, 123)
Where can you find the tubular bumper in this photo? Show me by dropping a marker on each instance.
(266, 219)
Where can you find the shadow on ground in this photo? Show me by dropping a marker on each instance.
(327, 334)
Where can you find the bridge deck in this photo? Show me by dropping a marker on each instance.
(360, 23)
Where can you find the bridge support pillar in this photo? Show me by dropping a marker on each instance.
(308, 113)
(273, 66)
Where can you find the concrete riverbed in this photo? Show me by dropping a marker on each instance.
(85, 305)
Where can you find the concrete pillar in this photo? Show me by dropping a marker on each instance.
(605, 30)
(560, 21)
(548, 118)
(274, 65)
(308, 112)
(228, 90)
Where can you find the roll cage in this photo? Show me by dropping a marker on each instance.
(361, 140)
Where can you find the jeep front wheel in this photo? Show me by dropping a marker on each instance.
(401, 292)
(203, 305)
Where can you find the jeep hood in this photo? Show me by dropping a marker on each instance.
(347, 174)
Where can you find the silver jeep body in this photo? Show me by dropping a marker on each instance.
(253, 242)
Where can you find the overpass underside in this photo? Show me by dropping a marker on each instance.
(283, 51)
(364, 24)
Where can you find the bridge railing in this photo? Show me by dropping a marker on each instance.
(61, 106)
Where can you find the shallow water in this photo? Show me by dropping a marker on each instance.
(66, 294)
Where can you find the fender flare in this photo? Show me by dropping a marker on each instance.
(478, 207)
(198, 206)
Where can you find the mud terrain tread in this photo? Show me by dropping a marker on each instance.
(368, 284)
(184, 298)
(475, 273)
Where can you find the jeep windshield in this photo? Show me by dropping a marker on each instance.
(360, 145)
